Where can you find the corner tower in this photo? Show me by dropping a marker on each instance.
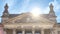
(5, 14)
(52, 15)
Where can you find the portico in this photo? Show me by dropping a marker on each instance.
(18, 31)
(28, 28)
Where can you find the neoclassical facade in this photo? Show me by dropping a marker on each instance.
(25, 23)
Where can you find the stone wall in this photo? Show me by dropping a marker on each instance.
(1, 29)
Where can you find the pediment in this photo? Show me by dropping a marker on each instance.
(26, 18)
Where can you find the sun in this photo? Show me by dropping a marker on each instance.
(35, 11)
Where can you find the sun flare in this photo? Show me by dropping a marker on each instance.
(35, 11)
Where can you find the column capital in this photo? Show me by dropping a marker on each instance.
(42, 28)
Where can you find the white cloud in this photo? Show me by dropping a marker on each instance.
(25, 4)
(57, 5)
(9, 2)
(58, 19)
(45, 10)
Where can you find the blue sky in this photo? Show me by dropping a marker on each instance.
(20, 6)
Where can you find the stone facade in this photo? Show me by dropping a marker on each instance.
(1, 29)
(24, 23)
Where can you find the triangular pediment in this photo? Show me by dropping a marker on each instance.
(26, 18)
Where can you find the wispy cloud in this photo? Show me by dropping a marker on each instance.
(10, 2)
(45, 10)
(58, 19)
(25, 5)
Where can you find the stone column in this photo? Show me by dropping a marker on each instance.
(33, 31)
(23, 31)
(42, 31)
(14, 31)
(51, 31)
(55, 31)
(5, 32)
